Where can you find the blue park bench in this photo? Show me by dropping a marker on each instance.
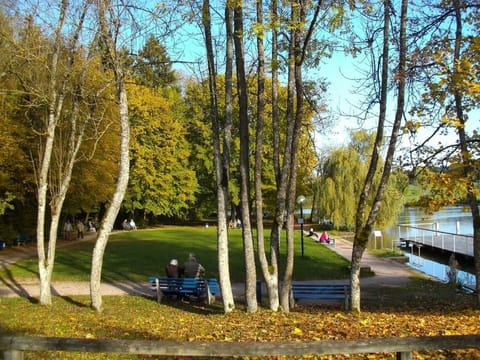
(23, 239)
(304, 291)
(198, 287)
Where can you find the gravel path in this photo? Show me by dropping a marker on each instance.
(388, 273)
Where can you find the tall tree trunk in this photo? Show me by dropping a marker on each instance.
(272, 276)
(124, 167)
(364, 223)
(284, 196)
(221, 161)
(249, 254)
(270, 271)
(468, 169)
(46, 261)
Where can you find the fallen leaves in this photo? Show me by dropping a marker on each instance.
(132, 317)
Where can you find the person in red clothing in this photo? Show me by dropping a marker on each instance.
(324, 237)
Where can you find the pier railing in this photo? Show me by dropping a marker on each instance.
(417, 235)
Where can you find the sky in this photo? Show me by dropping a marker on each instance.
(342, 73)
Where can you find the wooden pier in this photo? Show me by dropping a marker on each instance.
(418, 236)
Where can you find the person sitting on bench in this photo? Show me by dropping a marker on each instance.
(313, 235)
(324, 237)
(192, 268)
(172, 270)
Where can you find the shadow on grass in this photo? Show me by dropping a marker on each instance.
(13, 285)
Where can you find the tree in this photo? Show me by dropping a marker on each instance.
(244, 165)
(161, 182)
(221, 159)
(341, 178)
(107, 27)
(449, 61)
(57, 115)
(153, 67)
(365, 219)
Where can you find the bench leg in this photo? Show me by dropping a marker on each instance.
(291, 300)
(159, 292)
(210, 298)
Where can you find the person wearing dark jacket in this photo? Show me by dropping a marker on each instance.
(192, 268)
(172, 270)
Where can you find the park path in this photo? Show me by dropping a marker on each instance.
(388, 273)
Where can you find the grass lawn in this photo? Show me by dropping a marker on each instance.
(136, 255)
(422, 308)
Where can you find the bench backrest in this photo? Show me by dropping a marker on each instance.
(300, 289)
(186, 285)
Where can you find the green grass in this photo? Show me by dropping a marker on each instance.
(136, 255)
(423, 307)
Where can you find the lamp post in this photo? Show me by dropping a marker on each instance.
(300, 201)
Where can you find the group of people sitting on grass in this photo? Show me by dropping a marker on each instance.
(322, 238)
(190, 269)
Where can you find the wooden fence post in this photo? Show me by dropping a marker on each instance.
(404, 355)
(13, 355)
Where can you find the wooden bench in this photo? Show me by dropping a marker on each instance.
(303, 291)
(180, 287)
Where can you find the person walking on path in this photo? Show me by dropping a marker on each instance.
(80, 228)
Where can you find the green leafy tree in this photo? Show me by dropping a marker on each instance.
(342, 176)
(161, 181)
(152, 66)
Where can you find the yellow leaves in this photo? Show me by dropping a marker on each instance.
(453, 122)
(297, 331)
(364, 322)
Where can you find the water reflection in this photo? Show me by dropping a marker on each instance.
(437, 270)
(453, 219)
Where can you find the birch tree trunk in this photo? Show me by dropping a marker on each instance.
(270, 271)
(249, 255)
(364, 223)
(221, 161)
(123, 173)
(46, 261)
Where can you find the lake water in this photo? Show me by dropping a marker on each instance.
(452, 219)
(437, 270)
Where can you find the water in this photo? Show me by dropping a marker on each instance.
(452, 219)
(437, 270)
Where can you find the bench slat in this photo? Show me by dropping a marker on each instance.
(301, 291)
(199, 287)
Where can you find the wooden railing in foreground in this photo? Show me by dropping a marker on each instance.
(13, 347)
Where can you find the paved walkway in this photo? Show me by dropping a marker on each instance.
(388, 273)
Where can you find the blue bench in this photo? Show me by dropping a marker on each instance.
(23, 239)
(303, 291)
(199, 287)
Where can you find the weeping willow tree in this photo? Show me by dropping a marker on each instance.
(341, 178)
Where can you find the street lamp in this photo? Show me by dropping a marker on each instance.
(300, 201)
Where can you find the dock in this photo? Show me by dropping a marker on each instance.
(410, 236)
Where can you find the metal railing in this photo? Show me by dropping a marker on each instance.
(457, 243)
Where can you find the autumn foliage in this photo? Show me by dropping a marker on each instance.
(423, 308)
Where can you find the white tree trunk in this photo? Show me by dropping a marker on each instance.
(124, 168)
(45, 262)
